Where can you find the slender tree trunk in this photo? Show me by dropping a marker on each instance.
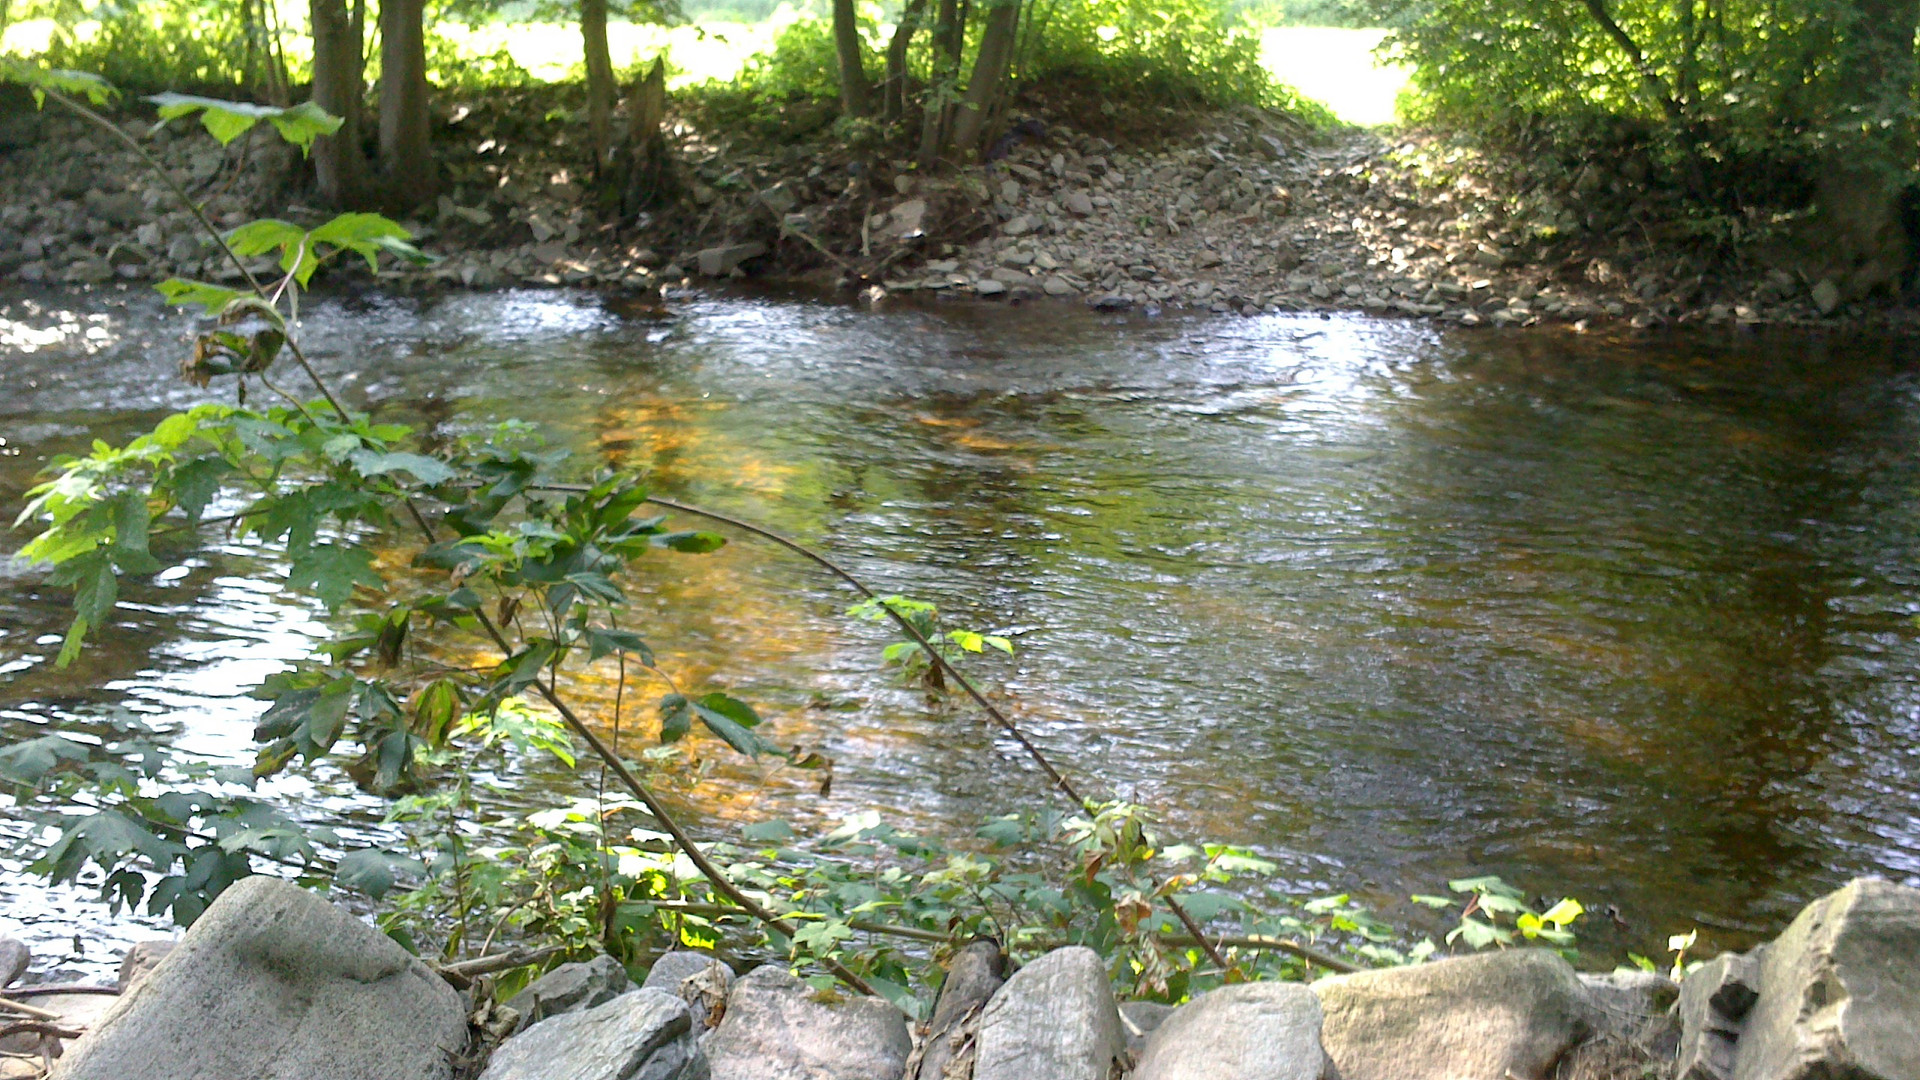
(988, 80)
(360, 50)
(339, 163)
(895, 102)
(1861, 239)
(946, 67)
(406, 150)
(600, 89)
(856, 96)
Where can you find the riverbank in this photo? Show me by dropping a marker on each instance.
(302, 989)
(1244, 211)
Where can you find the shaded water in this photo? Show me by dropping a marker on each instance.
(1629, 621)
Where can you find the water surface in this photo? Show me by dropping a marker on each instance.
(1624, 619)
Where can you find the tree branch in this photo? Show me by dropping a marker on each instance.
(1656, 86)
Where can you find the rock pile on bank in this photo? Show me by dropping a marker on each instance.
(1247, 213)
(274, 982)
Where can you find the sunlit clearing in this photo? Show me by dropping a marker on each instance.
(1337, 68)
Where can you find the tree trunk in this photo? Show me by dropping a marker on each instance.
(650, 180)
(856, 97)
(895, 96)
(1861, 241)
(406, 150)
(946, 66)
(989, 77)
(339, 163)
(593, 39)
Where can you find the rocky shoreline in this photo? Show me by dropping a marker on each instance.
(274, 981)
(1247, 213)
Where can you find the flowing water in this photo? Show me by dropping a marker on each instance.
(1628, 620)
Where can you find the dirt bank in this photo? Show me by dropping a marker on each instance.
(1242, 211)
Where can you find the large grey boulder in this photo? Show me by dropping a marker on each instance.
(275, 983)
(1055, 1018)
(972, 979)
(779, 1028)
(1254, 1031)
(721, 261)
(570, 988)
(1496, 1016)
(1840, 991)
(641, 1035)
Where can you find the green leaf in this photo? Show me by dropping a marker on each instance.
(695, 543)
(131, 522)
(732, 720)
(676, 718)
(228, 120)
(601, 641)
(40, 80)
(214, 298)
(1563, 912)
(27, 761)
(1432, 901)
(425, 469)
(196, 482)
(764, 832)
(332, 570)
(372, 871)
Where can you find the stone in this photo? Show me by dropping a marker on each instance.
(1826, 296)
(985, 287)
(976, 973)
(700, 980)
(1055, 286)
(779, 1028)
(1111, 302)
(74, 1012)
(1253, 1031)
(1140, 1019)
(14, 959)
(140, 961)
(1840, 991)
(908, 218)
(1054, 1018)
(1497, 1016)
(1079, 204)
(721, 261)
(1021, 225)
(279, 985)
(570, 988)
(1628, 1001)
(640, 1035)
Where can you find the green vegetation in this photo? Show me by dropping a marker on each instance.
(1762, 110)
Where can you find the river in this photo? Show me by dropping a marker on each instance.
(1627, 619)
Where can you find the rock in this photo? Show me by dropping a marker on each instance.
(140, 961)
(1079, 204)
(779, 1028)
(1628, 1001)
(700, 980)
(1021, 225)
(721, 261)
(570, 988)
(1497, 1016)
(1054, 286)
(985, 287)
(973, 977)
(14, 959)
(1111, 302)
(1254, 1031)
(1826, 296)
(81, 1012)
(125, 209)
(279, 985)
(1839, 991)
(908, 218)
(1055, 1018)
(1140, 1019)
(642, 1035)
